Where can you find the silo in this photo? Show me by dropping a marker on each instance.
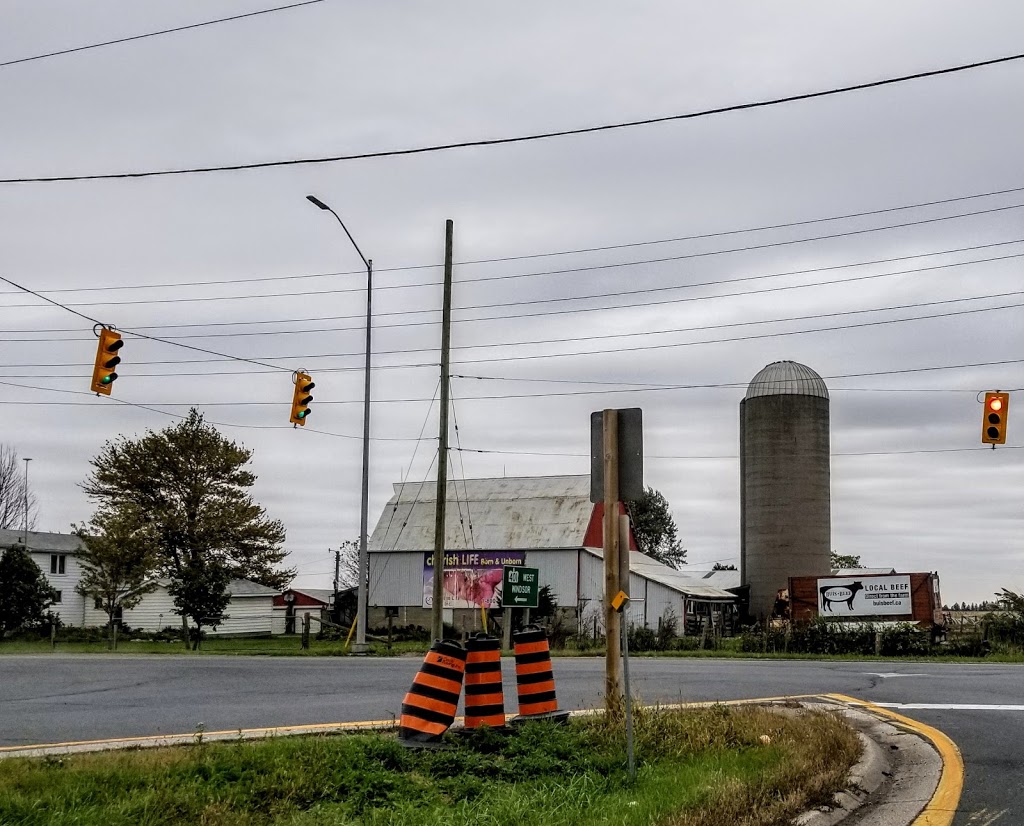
(785, 510)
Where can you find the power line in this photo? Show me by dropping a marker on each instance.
(406, 351)
(421, 150)
(156, 34)
(550, 254)
(465, 308)
(406, 324)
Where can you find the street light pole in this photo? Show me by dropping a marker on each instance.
(27, 460)
(364, 559)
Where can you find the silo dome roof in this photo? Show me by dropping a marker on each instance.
(787, 378)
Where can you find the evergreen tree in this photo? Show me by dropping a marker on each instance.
(655, 529)
(25, 593)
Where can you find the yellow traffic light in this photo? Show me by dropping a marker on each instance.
(993, 426)
(301, 398)
(103, 375)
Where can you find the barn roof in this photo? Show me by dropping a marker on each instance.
(498, 514)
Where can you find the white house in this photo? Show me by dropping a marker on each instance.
(56, 556)
(249, 611)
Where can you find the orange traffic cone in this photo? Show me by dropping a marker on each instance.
(485, 701)
(429, 707)
(535, 682)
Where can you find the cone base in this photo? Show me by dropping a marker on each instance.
(560, 717)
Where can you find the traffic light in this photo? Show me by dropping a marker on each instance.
(993, 426)
(301, 398)
(103, 375)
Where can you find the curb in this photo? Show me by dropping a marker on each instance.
(923, 780)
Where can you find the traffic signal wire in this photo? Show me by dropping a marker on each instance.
(156, 34)
(138, 334)
(527, 138)
(569, 270)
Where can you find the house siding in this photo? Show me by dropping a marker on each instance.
(71, 608)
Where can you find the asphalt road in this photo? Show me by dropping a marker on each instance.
(61, 698)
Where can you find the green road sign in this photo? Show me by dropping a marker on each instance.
(520, 587)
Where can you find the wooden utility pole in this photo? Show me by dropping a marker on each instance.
(610, 529)
(437, 609)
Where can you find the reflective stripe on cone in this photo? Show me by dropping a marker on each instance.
(429, 707)
(485, 700)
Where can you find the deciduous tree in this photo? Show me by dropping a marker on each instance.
(12, 492)
(118, 559)
(190, 485)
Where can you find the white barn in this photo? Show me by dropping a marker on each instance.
(548, 522)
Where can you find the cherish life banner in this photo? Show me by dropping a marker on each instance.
(472, 579)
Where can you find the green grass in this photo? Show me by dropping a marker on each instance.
(699, 767)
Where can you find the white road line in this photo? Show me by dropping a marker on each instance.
(952, 706)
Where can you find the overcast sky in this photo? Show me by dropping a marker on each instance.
(240, 263)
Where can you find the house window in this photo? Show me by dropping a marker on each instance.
(58, 597)
(98, 604)
(57, 562)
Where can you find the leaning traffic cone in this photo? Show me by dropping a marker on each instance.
(485, 701)
(535, 683)
(429, 707)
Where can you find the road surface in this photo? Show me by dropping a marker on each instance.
(54, 698)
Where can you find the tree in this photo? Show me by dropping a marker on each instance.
(718, 566)
(12, 492)
(841, 561)
(26, 594)
(118, 558)
(200, 592)
(189, 485)
(655, 529)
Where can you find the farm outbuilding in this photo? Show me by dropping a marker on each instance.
(545, 522)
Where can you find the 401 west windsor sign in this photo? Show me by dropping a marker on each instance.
(864, 596)
(520, 588)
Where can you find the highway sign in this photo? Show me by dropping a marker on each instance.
(520, 587)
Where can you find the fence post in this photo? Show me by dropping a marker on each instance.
(305, 631)
(53, 635)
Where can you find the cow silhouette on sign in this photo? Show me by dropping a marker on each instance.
(839, 593)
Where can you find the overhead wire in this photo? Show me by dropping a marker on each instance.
(578, 353)
(525, 138)
(159, 33)
(554, 253)
(545, 273)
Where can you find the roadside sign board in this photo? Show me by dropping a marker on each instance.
(520, 587)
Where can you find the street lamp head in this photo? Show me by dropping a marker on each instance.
(317, 202)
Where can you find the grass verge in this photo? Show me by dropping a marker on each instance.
(717, 766)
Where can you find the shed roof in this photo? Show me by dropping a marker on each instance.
(533, 512)
(683, 583)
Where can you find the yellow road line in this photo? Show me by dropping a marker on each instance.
(942, 807)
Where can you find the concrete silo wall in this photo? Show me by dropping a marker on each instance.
(786, 525)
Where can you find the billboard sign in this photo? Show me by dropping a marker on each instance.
(472, 579)
(867, 596)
